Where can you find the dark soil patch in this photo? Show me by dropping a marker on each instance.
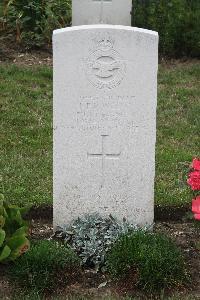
(44, 212)
(171, 213)
(94, 285)
(168, 213)
(11, 52)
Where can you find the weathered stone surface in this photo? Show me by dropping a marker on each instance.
(115, 12)
(105, 92)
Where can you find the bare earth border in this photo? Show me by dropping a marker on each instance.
(186, 236)
(164, 214)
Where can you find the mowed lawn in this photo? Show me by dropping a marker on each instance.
(26, 132)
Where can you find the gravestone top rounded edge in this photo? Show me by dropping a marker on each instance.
(105, 26)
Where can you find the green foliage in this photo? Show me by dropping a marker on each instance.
(154, 260)
(13, 232)
(35, 20)
(92, 236)
(177, 22)
(45, 266)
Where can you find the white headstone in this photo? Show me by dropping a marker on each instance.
(115, 12)
(105, 94)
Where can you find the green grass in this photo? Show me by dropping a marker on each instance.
(152, 261)
(26, 133)
(47, 266)
(178, 134)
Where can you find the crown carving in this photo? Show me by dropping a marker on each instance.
(104, 43)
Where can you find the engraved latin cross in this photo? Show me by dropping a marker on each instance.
(103, 156)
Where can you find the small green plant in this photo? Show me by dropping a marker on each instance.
(13, 232)
(45, 266)
(92, 236)
(154, 260)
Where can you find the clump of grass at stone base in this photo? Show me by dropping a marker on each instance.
(48, 265)
(152, 260)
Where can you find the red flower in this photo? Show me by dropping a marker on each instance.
(196, 164)
(197, 217)
(196, 208)
(194, 180)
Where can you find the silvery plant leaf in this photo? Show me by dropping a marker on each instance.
(92, 236)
